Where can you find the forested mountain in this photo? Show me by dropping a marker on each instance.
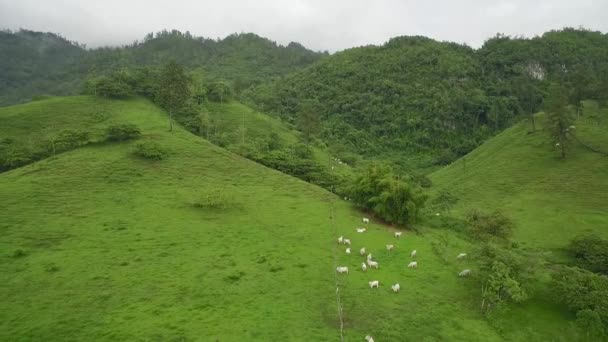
(35, 63)
(431, 101)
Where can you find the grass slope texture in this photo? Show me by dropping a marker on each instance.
(99, 244)
(550, 200)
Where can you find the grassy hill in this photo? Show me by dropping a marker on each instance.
(100, 244)
(550, 200)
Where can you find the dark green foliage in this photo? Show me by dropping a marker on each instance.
(173, 89)
(586, 294)
(68, 139)
(390, 197)
(117, 85)
(122, 132)
(297, 160)
(307, 119)
(444, 201)
(12, 156)
(559, 119)
(149, 149)
(219, 92)
(591, 253)
(506, 275)
(35, 63)
(486, 226)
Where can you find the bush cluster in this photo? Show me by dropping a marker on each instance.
(149, 149)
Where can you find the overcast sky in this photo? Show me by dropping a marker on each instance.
(317, 24)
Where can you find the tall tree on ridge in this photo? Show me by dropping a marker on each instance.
(174, 89)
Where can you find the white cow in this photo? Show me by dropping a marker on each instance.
(369, 338)
(413, 254)
(369, 257)
(341, 239)
(342, 269)
(413, 264)
(348, 250)
(361, 230)
(398, 234)
(461, 255)
(390, 247)
(374, 283)
(396, 287)
(362, 251)
(347, 242)
(373, 264)
(464, 273)
(363, 267)
(365, 220)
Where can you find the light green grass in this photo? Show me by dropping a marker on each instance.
(115, 250)
(549, 199)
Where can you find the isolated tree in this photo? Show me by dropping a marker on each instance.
(307, 119)
(174, 89)
(558, 117)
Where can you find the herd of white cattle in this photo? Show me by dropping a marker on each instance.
(370, 263)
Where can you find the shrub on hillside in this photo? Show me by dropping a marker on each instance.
(122, 132)
(390, 197)
(505, 275)
(591, 253)
(215, 199)
(585, 293)
(12, 156)
(150, 150)
(68, 139)
(484, 226)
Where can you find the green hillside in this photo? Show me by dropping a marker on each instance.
(99, 244)
(551, 200)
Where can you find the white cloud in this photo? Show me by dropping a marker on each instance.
(317, 24)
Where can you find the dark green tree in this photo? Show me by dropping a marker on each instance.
(174, 89)
(559, 119)
(307, 119)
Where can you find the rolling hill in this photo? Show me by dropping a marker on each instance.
(100, 244)
(550, 200)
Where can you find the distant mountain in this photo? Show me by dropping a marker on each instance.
(422, 102)
(36, 63)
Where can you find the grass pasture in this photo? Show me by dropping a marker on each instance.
(549, 199)
(98, 244)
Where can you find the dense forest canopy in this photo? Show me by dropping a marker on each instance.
(413, 100)
(441, 99)
(35, 63)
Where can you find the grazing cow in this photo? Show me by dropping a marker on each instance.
(340, 239)
(347, 242)
(413, 264)
(437, 214)
(464, 273)
(374, 283)
(361, 230)
(369, 338)
(363, 267)
(362, 251)
(348, 250)
(342, 269)
(365, 220)
(413, 254)
(396, 287)
(461, 255)
(398, 234)
(390, 247)
(372, 264)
